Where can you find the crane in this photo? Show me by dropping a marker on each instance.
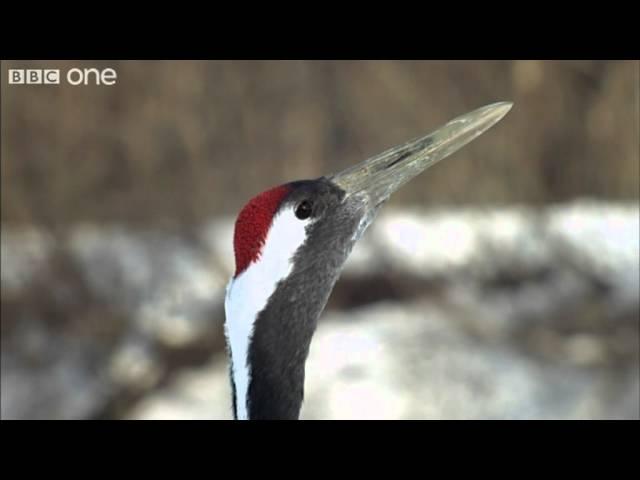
(290, 244)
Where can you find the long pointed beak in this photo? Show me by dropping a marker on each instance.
(378, 177)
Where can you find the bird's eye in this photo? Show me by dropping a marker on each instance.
(303, 210)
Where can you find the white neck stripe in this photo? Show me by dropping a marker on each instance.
(248, 293)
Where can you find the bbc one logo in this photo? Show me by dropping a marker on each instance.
(74, 76)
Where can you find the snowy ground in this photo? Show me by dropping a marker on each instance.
(507, 313)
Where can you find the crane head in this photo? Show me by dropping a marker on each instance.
(290, 243)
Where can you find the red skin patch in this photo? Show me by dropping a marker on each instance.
(252, 226)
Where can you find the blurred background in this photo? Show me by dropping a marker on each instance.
(502, 283)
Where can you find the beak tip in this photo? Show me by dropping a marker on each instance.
(491, 114)
(502, 108)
